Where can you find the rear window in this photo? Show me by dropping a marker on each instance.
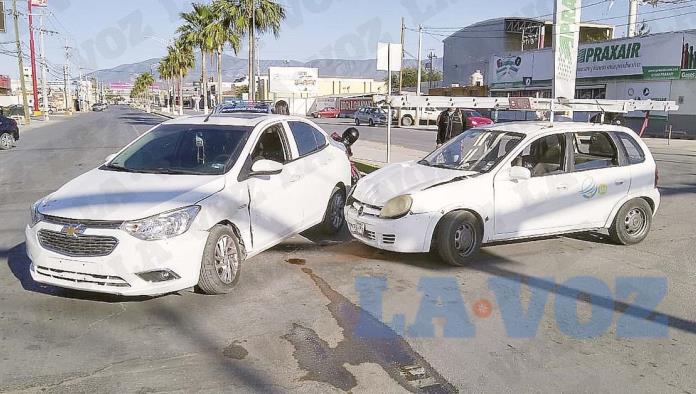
(635, 154)
(308, 138)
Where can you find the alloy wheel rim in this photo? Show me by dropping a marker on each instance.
(6, 141)
(635, 222)
(464, 239)
(226, 259)
(337, 210)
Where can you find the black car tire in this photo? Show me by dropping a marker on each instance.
(407, 121)
(6, 140)
(371, 122)
(213, 277)
(334, 217)
(357, 122)
(452, 247)
(632, 222)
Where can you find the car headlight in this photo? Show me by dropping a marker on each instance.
(396, 207)
(36, 216)
(162, 226)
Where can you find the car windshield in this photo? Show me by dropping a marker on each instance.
(183, 149)
(477, 150)
(470, 113)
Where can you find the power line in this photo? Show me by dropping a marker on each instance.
(503, 31)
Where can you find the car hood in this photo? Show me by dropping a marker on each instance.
(111, 195)
(402, 178)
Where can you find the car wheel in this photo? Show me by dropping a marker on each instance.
(221, 263)
(459, 237)
(318, 116)
(407, 121)
(357, 122)
(6, 141)
(632, 223)
(371, 123)
(334, 217)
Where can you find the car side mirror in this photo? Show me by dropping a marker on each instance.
(520, 173)
(266, 167)
(109, 158)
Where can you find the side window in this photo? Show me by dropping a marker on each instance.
(593, 150)
(272, 145)
(545, 156)
(633, 150)
(308, 138)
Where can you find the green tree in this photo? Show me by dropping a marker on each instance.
(183, 60)
(410, 75)
(166, 71)
(195, 33)
(221, 32)
(252, 17)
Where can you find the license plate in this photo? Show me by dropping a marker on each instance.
(357, 228)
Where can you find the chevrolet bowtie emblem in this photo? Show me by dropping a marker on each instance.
(73, 230)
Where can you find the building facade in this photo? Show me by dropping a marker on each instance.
(657, 67)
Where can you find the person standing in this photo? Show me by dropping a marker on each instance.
(450, 124)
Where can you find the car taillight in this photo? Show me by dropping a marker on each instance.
(657, 176)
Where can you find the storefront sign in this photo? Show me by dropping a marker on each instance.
(688, 74)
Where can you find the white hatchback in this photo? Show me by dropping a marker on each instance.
(186, 203)
(509, 181)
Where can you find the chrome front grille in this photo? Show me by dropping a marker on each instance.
(77, 246)
(79, 277)
(100, 224)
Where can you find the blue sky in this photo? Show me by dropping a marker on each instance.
(108, 33)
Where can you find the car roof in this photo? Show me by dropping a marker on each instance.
(233, 119)
(533, 129)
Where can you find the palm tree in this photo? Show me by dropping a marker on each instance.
(194, 32)
(253, 16)
(142, 86)
(181, 56)
(165, 68)
(220, 33)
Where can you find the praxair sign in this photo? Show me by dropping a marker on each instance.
(609, 52)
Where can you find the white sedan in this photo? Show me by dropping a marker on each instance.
(186, 203)
(509, 181)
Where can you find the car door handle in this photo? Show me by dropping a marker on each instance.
(620, 182)
(562, 187)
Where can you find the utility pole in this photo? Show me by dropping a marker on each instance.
(401, 70)
(632, 17)
(431, 57)
(32, 56)
(420, 65)
(420, 59)
(66, 77)
(25, 102)
(44, 91)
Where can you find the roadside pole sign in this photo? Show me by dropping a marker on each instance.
(389, 60)
(566, 38)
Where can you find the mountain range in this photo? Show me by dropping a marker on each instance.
(235, 67)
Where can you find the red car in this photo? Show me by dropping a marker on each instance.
(328, 112)
(474, 118)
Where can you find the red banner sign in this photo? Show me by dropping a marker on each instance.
(5, 82)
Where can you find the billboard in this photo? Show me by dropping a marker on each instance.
(665, 56)
(293, 80)
(566, 37)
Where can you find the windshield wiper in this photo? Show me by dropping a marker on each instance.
(170, 171)
(112, 167)
(423, 162)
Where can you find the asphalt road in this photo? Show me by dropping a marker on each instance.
(291, 323)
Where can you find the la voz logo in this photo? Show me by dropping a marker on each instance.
(634, 300)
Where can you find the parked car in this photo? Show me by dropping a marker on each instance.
(371, 116)
(475, 119)
(328, 112)
(428, 115)
(187, 203)
(509, 181)
(98, 107)
(9, 132)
